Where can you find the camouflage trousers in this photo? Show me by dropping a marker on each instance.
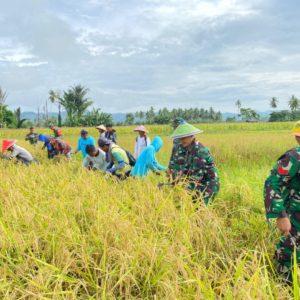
(284, 254)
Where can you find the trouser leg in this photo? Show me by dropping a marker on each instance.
(284, 254)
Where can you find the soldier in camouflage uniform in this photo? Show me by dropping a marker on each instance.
(193, 164)
(282, 201)
(32, 137)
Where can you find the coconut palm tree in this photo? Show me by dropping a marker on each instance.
(238, 104)
(19, 120)
(54, 97)
(274, 102)
(75, 102)
(294, 103)
(3, 96)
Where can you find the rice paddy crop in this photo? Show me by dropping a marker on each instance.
(66, 233)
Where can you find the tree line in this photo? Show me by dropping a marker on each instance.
(74, 101)
(250, 115)
(285, 115)
(76, 104)
(165, 116)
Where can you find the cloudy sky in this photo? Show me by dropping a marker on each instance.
(136, 53)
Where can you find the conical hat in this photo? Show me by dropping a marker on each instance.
(296, 129)
(6, 144)
(185, 130)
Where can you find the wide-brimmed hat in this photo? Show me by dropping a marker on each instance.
(141, 128)
(296, 129)
(101, 127)
(185, 130)
(6, 144)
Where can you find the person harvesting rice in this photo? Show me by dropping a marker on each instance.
(57, 132)
(142, 140)
(101, 129)
(32, 137)
(16, 152)
(83, 142)
(47, 145)
(110, 133)
(95, 159)
(118, 158)
(147, 161)
(61, 147)
(192, 164)
(282, 202)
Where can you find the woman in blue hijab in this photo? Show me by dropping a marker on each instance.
(46, 140)
(147, 160)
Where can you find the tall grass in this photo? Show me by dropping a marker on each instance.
(66, 233)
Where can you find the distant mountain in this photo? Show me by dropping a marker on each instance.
(32, 116)
(120, 117)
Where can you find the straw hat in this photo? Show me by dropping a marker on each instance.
(185, 130)
(6, 144)
(101, 127)
(141, 128)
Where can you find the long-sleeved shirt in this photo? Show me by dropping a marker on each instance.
(195, 165)
(61, 147)
(96, 162)
(282, 187)
(82, 143)
(21, 154)
(140, 144)
(147, 160)
(119, 158)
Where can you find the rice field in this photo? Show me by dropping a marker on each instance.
(66, 233)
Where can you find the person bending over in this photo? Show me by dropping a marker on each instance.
(192, 164)
(95, 159)
(16, 152)
(147, 160)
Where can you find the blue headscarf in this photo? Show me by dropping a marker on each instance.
(46, 140)
(147, 160)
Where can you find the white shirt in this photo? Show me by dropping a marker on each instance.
(21, 153)
(97, 163)
(140, 144)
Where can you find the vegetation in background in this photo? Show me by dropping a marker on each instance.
(165, 116)
(54, 97)
(18, 119)
(76, 103)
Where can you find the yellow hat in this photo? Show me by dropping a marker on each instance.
(296, 129)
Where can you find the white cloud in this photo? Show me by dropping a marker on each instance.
(162, 53)
(18, 55)
(200, 10)
(31, 64)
